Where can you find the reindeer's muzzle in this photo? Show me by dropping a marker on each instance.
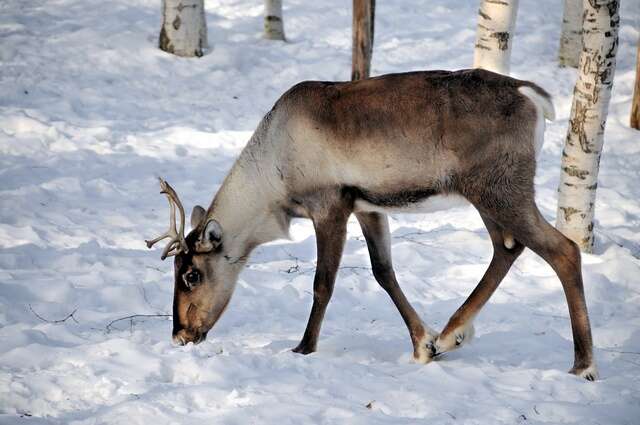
(185, 336)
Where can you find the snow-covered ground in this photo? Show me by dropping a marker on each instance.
(91, 112)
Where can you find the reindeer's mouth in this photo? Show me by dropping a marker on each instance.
(184, 336)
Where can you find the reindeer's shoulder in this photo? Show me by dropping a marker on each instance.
(308, 90)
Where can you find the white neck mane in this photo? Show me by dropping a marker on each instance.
(248, 204)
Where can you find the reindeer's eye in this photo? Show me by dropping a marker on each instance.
(192, 278)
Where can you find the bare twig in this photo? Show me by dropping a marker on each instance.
(635, 252)
(618, 351)
(67, 317)
(131, 318)
(355, 268)
(158, 269)
(143, 291)
(629, 361)
(292, 269)
(552, 316)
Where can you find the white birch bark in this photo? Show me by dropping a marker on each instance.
(494, 36)
(184, 27)
(273, 23)
(571, 36)
(583, 145)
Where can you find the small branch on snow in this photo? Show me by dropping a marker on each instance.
(618, 351)
(158, 269)
(553, 316)
(295, 268)
(635, 253)
(146, 299)
(131, 318)
(67, 317)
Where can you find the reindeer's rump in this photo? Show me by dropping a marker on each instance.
(419, 130)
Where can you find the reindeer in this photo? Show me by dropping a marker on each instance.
(394, 143)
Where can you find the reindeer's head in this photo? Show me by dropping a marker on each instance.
(204, 276)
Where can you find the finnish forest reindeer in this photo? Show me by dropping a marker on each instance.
(394, 143)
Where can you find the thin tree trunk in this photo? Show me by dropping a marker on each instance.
(273, 23)
(494, 36)
(583, 145)
(363, 26)
(634, 122)
(184, 27)
(571, 37)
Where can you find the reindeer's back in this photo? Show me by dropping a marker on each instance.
(418, 125)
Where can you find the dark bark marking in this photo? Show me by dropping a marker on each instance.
(577, 123)
(164, 41)
(574, 171)
(503, 39)
(177, 22)
(568, 212)
(484, 15)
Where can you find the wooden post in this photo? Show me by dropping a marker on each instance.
(634, 121)
(363, 21)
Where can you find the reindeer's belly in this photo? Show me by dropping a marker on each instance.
(407, 202)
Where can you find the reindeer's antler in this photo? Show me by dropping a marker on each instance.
(177, 244)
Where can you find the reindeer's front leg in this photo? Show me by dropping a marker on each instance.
(459, 329)
(331, 231)
(375, 228)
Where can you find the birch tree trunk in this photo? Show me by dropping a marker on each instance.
(273, 23)
(634, 121)
(496, 23)
(583, 145)
(571, 36)
(184, 28)
(362, 34)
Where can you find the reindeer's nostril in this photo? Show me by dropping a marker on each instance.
(183, 337)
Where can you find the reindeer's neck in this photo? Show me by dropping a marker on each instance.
(247, 204)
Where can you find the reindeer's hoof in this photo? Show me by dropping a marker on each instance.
(455, 339)
(424, 350)
(589, 373)
(303, 348)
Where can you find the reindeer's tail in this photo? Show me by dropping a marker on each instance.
(540, 98)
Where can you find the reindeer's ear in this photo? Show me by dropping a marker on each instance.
(197, 215)
(210, 238)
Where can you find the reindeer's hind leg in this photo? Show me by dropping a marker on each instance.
(528, 227)
(563, 255)
(459, 329)
(376, 232)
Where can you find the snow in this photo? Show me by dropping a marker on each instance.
(91, 112)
